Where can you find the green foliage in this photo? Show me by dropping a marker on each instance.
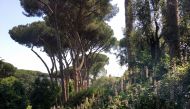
(77, 28)
(98, 35)
(6, 69)
(90, 25)
(96, 63)
(37, 34)
(32, 7)
(44, 95)
(37, 8)
(27, 78)
(79, 98)
(12, 94)
(68, 32)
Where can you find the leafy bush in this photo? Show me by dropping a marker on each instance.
(6, 69)
(44, 94)
(77, 99)
(12, 94)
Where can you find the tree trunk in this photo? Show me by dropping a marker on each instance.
(129, 27)
(60, 58)
(67, 85)
(88, 79)
(172, 37)
(80, 81)
(63, 86)
(122, 84)
(76, 81)
(172, 28)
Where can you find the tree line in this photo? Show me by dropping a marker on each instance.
(74, 34)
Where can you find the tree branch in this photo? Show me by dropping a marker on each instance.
(42, 62)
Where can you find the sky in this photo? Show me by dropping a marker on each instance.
(23, 58)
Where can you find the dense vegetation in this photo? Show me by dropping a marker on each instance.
(75, 36)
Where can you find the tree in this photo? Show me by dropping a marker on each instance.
(97, 38)
(37, 35)
(66, 20)
(172, 34)
(6, 69)
(96, 64)
(160, 26)
(12, 94)
(184, 29)
(27, 78)
(44, 96)
(128, 33)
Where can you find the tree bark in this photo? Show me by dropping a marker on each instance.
(76, 81)
(172, 37)
(129, 27)
(172, 28)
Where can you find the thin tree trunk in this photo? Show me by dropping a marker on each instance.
(76, 81)
(80, 82)
(67, 85)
